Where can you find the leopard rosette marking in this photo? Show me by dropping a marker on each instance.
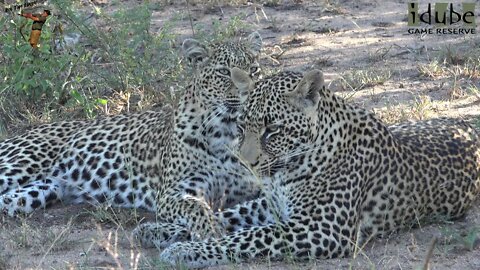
(339, 176)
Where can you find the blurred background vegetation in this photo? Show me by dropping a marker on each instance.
(92, 62)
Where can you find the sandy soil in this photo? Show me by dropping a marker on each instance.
(338, 38)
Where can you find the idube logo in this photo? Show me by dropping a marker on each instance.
(444, 18)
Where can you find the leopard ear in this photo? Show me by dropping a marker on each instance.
(255, 43)
(242, 81)
(195, 52)
(307, 92)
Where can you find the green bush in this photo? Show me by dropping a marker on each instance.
(125, 57)
(117, 56)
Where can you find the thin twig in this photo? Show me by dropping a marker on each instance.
(426, 262)
(190, 17)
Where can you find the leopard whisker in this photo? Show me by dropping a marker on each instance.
(209, 120)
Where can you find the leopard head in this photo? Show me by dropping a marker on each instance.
(281, 118)
(222, 78)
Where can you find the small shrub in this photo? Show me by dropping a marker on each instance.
(360, 79)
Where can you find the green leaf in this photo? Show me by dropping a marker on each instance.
(76, 96)
(102, 101)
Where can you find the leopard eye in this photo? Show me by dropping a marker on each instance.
(271, 130)
(224, 71)
(253, 70)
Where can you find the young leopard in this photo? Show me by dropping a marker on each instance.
(204, 173)
(123, 160)
(339, 175)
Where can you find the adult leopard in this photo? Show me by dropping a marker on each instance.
(340, 175)
(128, 160)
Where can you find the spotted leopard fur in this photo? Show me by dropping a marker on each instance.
(339, 176)
(127, 160)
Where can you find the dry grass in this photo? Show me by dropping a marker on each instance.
(111, 246)
(360, 79)
(421, 108)
(379, 54)
(30, 237)
(460, 69)
(432, 69)
(119, 217)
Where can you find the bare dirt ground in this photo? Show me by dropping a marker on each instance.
(366, 53)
